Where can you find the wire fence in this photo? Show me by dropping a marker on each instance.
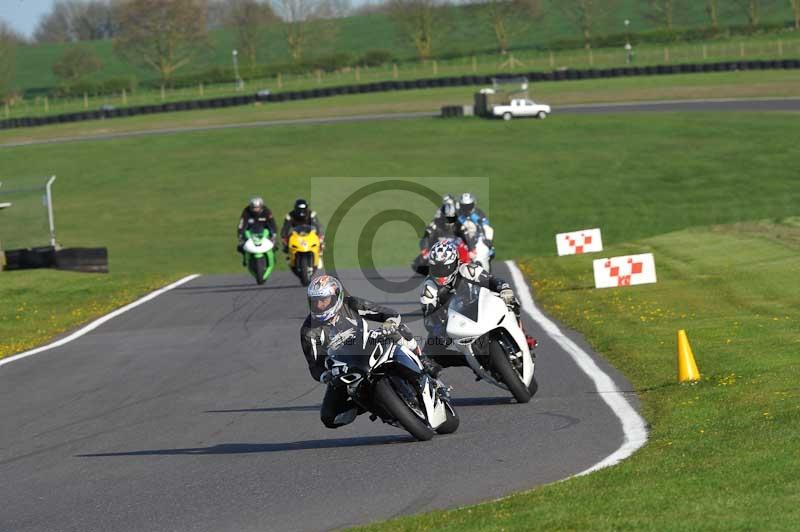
(527, 61)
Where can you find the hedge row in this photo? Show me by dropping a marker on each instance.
(425, 83)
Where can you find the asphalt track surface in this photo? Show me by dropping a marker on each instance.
(195, 412)
(720, 105)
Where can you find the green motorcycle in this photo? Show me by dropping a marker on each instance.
(259, 254)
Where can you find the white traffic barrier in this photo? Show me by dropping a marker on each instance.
(577, 242)
(627, 270)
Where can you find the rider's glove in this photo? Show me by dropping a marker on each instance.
(390, 326)
(507, 295)
(326, 377)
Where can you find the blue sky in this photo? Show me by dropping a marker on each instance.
(22, 15)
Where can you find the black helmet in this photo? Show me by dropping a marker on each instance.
(443, 262)
(301, 211)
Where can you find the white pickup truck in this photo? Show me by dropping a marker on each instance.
(520, 107)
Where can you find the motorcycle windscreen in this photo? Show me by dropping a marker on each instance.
(466, 300)
(303, 229)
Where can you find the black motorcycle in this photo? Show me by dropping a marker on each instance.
(385, 378)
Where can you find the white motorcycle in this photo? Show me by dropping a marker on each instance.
(489, 335)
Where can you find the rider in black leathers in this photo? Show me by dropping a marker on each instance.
(446, 274)
(333, 311)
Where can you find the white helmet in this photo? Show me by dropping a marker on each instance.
(256, 203)
(325, 297)
(467, 203)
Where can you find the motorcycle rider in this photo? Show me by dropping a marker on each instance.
(443, 226)
(334, 311)
(301, 214)
(446, 273)
(256, 213)
(469, 212)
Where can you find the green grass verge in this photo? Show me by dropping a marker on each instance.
(771, 83)
(720, 451)
(166, 206)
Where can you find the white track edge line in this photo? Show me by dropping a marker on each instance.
(98, 322)
(634, 427)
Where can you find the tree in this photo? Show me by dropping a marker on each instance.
(796, 13)
(77, 20)
(582, 13)
(8, 42)
(306, 23)
(164, 35)
(509, 18)
(712, 9)
(420, 21)
(77, 63)
(247, 18)
(662, 11)
(751, 11)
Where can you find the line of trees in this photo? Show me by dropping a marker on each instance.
(166, 35)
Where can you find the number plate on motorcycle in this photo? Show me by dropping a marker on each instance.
(577, 242)
(627, 270)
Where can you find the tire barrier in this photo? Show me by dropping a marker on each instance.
(89, 260)
(386, 86)
(30, 258)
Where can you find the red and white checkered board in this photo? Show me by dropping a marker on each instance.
(627, 270)
(577, 242)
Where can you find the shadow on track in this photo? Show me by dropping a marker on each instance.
(222, 289)
(247, 448)
(462, 402)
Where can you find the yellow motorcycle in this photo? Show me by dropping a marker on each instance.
(304, 252)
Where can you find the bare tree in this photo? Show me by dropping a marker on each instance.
(582, 13)
(8, 42)
(77, 20)
(662, 12)
(77, 63)
(420, 21)
(796, 13)
(751, 11)
(509, 18)
(306, 23)
(248, 18)
(164, 35)
(712, 9)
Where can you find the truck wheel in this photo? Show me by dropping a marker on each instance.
(542, 115)
(506, 116)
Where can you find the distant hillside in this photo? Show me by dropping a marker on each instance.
(465, 35)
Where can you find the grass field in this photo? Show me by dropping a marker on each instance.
(464, 35)
(768, 83)
(720, 451)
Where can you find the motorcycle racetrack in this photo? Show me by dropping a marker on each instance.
(195, 411)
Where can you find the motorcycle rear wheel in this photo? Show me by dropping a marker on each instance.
(396, 407)
(451, 423)
(511, 378)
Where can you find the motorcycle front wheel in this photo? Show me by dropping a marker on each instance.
(510, 376)
(259, 266)
(305, 268)
(397, 408)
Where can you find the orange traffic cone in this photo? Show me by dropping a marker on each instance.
(687, 367)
